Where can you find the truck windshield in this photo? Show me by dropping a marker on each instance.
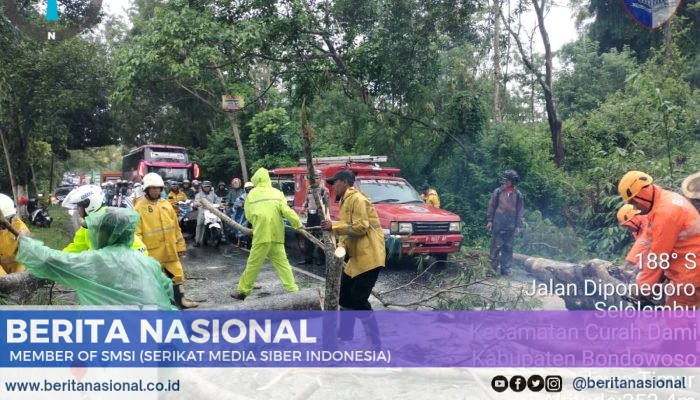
(177, 174)
(388, 191)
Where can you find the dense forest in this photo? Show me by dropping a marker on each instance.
(452, 91)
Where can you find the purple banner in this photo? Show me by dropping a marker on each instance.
(349, 339)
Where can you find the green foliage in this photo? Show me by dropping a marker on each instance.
(274, 139)
(219, 160)
(582, 65)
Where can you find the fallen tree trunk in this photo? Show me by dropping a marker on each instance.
(589, 278)
(247, 231)
(19, 287)
(305, 299)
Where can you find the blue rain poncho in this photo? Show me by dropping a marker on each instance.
(112, 273)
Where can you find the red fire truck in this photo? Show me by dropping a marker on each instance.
(410, 227)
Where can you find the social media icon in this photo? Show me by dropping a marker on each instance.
(552, 383)
(535, 383)
(517, 383)
(499, 383)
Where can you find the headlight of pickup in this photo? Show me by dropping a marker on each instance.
(405, 228)
(455, 227)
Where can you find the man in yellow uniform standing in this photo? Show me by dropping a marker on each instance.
(361, 235)
(160, 231)
(8, 242)
(265, 207)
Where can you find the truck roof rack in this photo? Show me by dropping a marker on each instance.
(345, 159)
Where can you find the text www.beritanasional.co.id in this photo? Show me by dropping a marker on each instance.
(72, 385)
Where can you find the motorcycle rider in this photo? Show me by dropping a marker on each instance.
(221, 191)
(239, 211)
(196, 187)
(160, 231)
(211, 197)
(235, 192)
(176, 195)
(186, 187)
(88, 199)
(8, 242)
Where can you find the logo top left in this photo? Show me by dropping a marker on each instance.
(45, 21)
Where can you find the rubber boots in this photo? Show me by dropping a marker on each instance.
(180, 299)
(371, 328)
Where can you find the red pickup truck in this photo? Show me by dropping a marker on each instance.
(410, 227)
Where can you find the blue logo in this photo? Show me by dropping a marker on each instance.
(52, 10)
(47, 28)
(652, 13)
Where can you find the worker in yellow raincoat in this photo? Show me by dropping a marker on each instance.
(8, 242)
(160, 231)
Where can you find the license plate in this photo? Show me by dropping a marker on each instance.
(436, 239)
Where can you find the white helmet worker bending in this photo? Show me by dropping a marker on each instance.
(87, 198)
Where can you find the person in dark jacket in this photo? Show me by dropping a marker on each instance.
(221, 191)
(505, 221)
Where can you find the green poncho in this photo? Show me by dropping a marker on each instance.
(112, 274)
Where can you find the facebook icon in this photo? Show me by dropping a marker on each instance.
(517, 383)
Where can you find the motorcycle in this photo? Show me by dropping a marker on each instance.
(38, 215)
(187, 216)
(237, 214)
(212, 229)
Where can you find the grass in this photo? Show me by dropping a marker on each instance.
(59, 235)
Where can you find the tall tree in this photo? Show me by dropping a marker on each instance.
(543, 78)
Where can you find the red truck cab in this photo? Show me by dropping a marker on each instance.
(410, 226)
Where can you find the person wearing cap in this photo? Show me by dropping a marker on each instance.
(674, 232)
(89, 201)
(691, 189)
(8, 241)
(505, 216)
(205, 194)
(98, 275)
(429, 196)
(266, 208)
(176, 195)
(630, 219)
(159, 229)
(186, 186)
(221, 191)
(360, 233)
(314, 215)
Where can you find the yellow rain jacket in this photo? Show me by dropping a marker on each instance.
(431, 199)
(159, 229)
(360, 233)
(81, 240)
(8, 248)
(173, 198)
(263, 208)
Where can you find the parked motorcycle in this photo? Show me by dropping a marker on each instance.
(212, 229)
(38, 215)
(187, 216)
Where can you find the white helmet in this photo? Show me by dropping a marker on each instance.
(89, 197)
(7, 206)
(152, 179)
